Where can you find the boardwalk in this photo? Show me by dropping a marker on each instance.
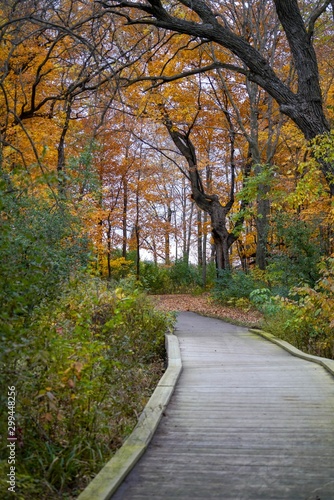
(247, 421)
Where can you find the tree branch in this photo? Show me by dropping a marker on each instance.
(160, 80)
(210, 29)
(315, 16)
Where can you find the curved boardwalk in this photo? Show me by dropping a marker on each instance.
(247, 421)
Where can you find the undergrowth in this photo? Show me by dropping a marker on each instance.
(83, 369)
(306, 317)
(302, 314)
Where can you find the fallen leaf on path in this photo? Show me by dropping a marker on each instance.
(203, 304)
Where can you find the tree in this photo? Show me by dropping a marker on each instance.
(209, 203)
(257, 118)
(59, 63)
(301, 102)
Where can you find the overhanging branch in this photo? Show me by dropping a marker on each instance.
(315, 16)
(162, 79)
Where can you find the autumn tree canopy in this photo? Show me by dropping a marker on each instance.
(301, 101)
(227, 91)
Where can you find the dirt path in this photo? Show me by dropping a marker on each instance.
(204, 305)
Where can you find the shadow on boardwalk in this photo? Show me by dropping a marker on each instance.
(247, 421)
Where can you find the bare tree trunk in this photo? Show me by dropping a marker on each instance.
(167, 233)
(125, 217)
(137, 234)
(204, 266)
(155, 253)
(61, 151)
(199, 238)
(176, 234)
(189, 231)
(262, 226)
(184, 219)
(137, 229)
(109, 246)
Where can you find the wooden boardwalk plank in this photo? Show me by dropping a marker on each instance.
(247, 421)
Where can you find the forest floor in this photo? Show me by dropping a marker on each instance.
(206, 306)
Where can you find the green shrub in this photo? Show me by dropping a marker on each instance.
(297, 261)
(306, 318)
(41, 246)
(264, 301)
(83, 373)
(155, 278)
(233, 285)
(185, 276)
(180, 277)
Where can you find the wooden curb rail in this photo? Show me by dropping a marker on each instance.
(113, 473)
(328, 364)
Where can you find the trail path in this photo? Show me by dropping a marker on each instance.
(247, 421)
(203, 304)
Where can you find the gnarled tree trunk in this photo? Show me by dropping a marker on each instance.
(209, 203)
